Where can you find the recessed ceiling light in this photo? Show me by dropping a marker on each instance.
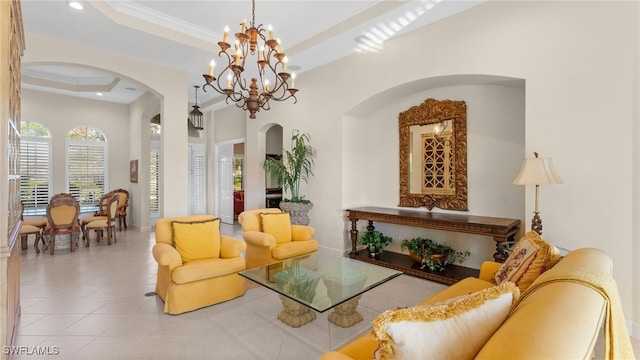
(98, 94)
(75, 5)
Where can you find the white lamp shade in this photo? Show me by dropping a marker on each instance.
(537, 172)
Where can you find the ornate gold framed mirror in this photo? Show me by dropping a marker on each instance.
(433, 155)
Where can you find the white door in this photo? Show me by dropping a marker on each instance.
(225, 182)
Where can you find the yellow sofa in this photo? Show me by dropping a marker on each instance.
(552, 320)
(188, 286)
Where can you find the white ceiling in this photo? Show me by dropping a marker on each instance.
(184, 35)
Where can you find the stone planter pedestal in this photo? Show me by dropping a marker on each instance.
(297, 211)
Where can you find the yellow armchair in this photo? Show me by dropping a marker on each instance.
(200, 281)
(275, 241)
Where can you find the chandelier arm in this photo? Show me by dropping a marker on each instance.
(239, 82)
(281, 91)
(213, 87)
(235, 96)
(273, 68)
(264, 103)
(284, 98)
(280, 84)
(241, 104)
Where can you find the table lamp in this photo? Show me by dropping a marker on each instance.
(536, 172)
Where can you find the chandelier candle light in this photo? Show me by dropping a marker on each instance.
(271, 64)
(536, 172)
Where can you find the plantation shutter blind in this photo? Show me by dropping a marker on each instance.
(86, 169)
(34, 172)
(154, 187)
(198, 186)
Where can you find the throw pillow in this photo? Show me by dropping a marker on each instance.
(456, 329)
(196, 240)
(530, 257)
(278, 225)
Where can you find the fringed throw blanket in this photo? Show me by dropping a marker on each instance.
(617, 344)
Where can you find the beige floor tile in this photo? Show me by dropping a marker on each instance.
(91, 304)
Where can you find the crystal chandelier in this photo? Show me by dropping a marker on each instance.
(271, 64)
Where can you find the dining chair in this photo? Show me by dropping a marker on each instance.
(31, 225)
(100, 214)
(25, 231)
(62, 216)
(123, 203)
(109, 223)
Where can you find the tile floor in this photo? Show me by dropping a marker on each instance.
(91, 304)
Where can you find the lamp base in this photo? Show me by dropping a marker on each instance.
(536, 223)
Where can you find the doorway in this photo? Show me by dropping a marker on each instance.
(230, 180)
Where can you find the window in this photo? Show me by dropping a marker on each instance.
(35, 166)
(155, 129)
(154, 179)
(86, 160)
(237, 174)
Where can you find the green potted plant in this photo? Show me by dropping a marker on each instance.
(432, 255)
(375, 242)
(296, 165)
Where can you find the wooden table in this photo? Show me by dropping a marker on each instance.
(501, 230)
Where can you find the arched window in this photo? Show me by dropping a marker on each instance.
(154, 126)
(86, 163)
(35, 166)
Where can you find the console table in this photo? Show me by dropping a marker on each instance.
(500, 229)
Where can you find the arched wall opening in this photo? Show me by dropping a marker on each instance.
(166, 84)
(125, 125)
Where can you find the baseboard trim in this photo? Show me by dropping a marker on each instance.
(634, 330)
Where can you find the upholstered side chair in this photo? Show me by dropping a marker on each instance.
(271, 237)
(197, 266)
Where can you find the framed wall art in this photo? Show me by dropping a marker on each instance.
(133, 171)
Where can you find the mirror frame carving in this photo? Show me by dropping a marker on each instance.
(433, 111)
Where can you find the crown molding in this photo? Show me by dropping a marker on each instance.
(141, 18)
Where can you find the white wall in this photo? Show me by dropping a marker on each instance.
(230, 124)
(579, 61)
(140, 113)
(224, 126)
(60, 114)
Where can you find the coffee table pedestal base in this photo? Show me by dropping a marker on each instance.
(294, 313)
(345, 314)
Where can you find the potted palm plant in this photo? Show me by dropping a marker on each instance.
(295, 166)
(375, 242)
(432, 255)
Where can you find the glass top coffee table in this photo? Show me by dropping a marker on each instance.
(320, 281)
